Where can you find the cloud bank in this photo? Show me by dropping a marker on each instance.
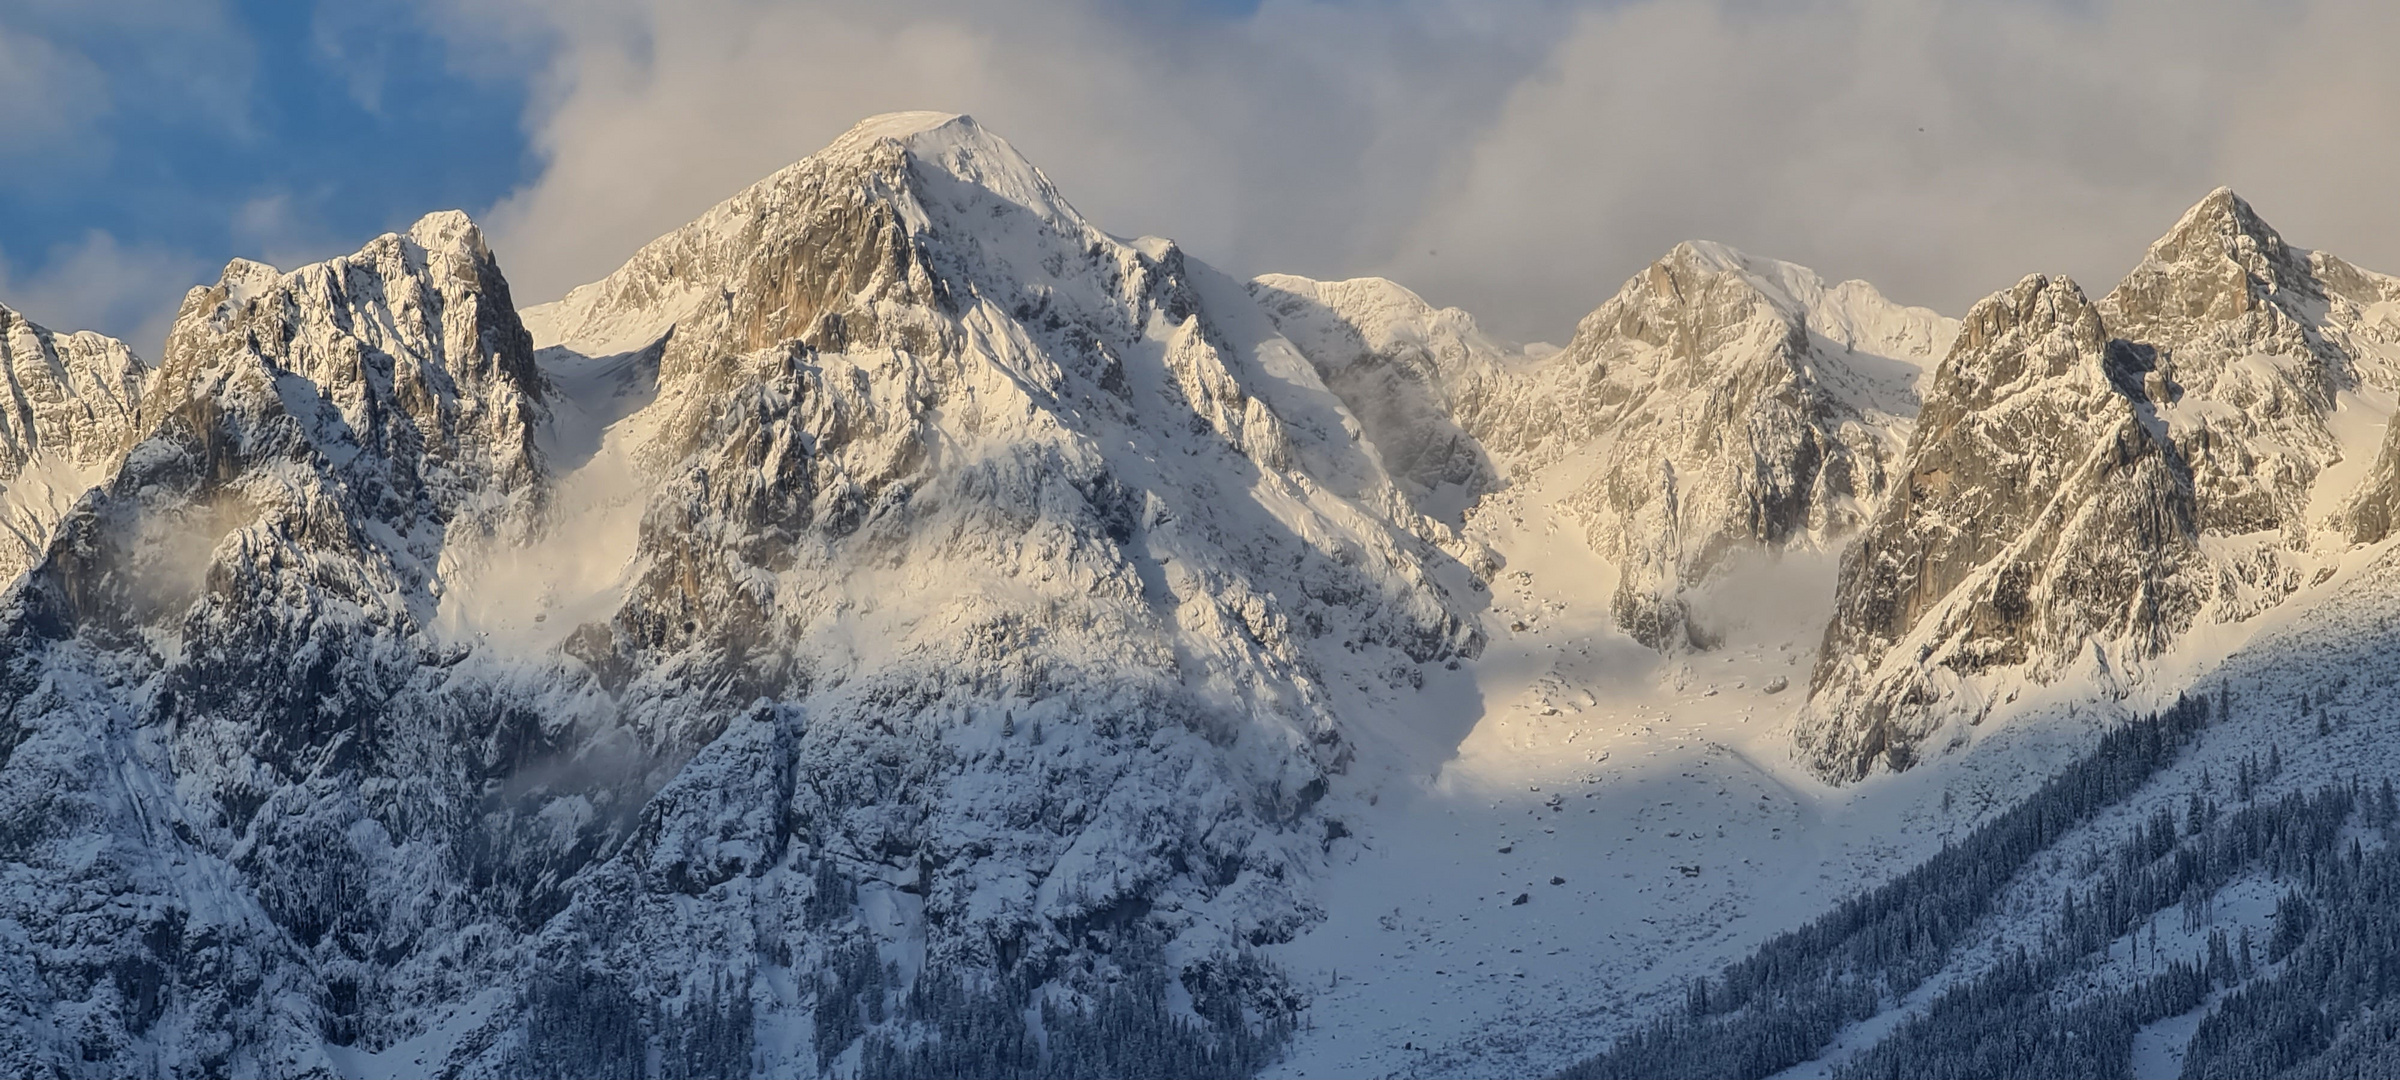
(1517, 158)
(1297, 137)
(129, 293)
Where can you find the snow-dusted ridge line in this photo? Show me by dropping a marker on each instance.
(1820, 382)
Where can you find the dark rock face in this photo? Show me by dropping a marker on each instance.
(2040, 511)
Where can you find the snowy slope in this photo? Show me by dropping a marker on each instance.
(2300, 716)
(1401, 366)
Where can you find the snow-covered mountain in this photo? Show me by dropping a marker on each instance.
(227, 726)
(891, 626)
(932, 574)
(1049, 531)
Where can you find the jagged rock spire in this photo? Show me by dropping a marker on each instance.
(2041, 512)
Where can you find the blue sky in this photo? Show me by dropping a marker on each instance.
(344, 125)
(179, 135)
(1520, 158)
(267, 127)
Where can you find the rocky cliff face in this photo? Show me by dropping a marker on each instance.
(2041, 509)
(1052, 529)
(2089, 481)
(889, 574)
(67, 404)
(1744, 404)
(2247, 343)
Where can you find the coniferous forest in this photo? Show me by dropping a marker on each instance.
(2313, 996)
(944, 1023)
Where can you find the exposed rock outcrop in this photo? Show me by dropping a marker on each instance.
(1718, 403)
(2041, 510)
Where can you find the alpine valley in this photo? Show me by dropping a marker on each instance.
(892, 627)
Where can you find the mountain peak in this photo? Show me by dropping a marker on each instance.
(1852, 314)
(2221, 214)
(1712, 257)
(830, 233)
(411, 346)
(904, 128)
(446, 230)
(948, 145)
(2220, 236)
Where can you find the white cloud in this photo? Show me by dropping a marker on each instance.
(47, 94)
(1544, 153)
(1941, 150)
(1518, 157)
(128, 293)
(1295, 138)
